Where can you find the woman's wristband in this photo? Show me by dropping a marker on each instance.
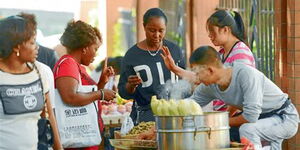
(102, 94)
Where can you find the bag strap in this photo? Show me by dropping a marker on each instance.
(50, 119)
(45, 110)
(58, 65)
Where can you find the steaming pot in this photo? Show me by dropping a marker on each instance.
(200, 132)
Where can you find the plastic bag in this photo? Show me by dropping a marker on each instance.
(127, 125)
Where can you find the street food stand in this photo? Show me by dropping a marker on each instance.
(207, 131)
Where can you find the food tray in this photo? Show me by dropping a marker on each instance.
(133, 144)
(114, 118)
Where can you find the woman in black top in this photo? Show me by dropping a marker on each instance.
(143, 72)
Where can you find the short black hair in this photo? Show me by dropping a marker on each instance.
(79, 34)
(205, 55)
(14, 31)
(154, 12)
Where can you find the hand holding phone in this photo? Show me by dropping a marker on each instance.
(134, 80)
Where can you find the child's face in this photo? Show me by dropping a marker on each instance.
(217, 35)
(204, 74)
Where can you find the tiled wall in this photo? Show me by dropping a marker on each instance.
(287, 54)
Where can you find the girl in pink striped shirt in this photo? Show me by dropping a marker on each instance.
(226, 29)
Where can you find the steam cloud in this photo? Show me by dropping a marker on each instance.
(181, 89)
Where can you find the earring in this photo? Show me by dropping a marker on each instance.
(18, 54)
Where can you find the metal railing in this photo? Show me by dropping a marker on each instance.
(258, 16)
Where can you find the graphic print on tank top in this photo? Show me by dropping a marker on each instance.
(18, 99)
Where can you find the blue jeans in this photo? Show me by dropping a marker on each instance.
(273, 129)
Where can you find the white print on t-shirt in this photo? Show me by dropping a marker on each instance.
(24, 98)
(149, 80)
(23, 91)
(30, 101)
(161, 73)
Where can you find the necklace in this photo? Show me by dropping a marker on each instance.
(152, 54)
